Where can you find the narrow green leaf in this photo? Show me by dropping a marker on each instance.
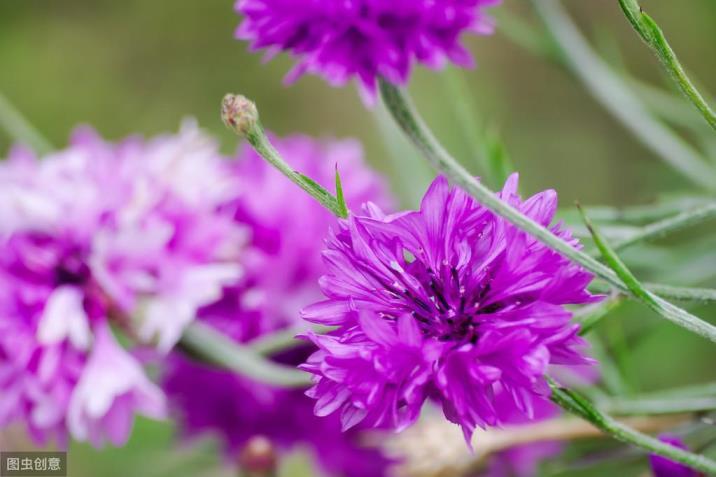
(663, 308)
(317, 190)
(342, 208)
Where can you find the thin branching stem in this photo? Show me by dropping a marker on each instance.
(417, 131)
(669, 225)
(580, 406)
(654, 37)
(619, 100)
(212, 347)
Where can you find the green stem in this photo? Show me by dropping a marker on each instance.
(637, 290)
(705, 295)
(242, 117)
(580, 406)
(654, 37)
(20, 129)
(210, 346)
(653, 406)
(281, 340)
(410, 122)
(643, 214)
(619, 100)
(260, 142)
(669, 225)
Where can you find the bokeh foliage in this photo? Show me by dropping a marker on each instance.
(139, 66)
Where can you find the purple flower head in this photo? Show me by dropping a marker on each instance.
(96, 235)
(364, 39)
(449, 302)
(663, 467)
(281, 263)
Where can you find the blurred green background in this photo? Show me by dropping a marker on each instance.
(139, 66)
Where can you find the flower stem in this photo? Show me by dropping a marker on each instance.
(669, 225)
(652, 406)
(618, 98)
(704, 295)
(410, 122)
(654, 37)
(637, 290)
(212, 347)
(241, 116)
(643, 214)
(282, 340)
(578, 405)
(20, 129)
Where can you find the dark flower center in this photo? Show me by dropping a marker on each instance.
(72, 270)
(443, 306)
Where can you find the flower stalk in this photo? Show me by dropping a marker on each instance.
(417, 131)
(420, 135)
(210, 346)
(579, 406)
(241, 116)
(669, 225)
(654, 37)
(619, 99)
(636, 289)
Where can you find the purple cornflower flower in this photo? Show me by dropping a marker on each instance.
(364, 39)
(663, 467)
(281, 266)
(98, 234)
(450, 302)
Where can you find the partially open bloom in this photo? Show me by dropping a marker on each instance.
(104, 235)
(364, 39)
(663, 467)
(281, 264)
(450, 302)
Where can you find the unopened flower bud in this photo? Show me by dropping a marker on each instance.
(239, 113)
(258, 458)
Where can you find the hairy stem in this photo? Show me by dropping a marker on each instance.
(618, 98)
(654, 37)
(669, 225)
(242, 117)
(576, 404)
(210, 346)
(417, 131)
